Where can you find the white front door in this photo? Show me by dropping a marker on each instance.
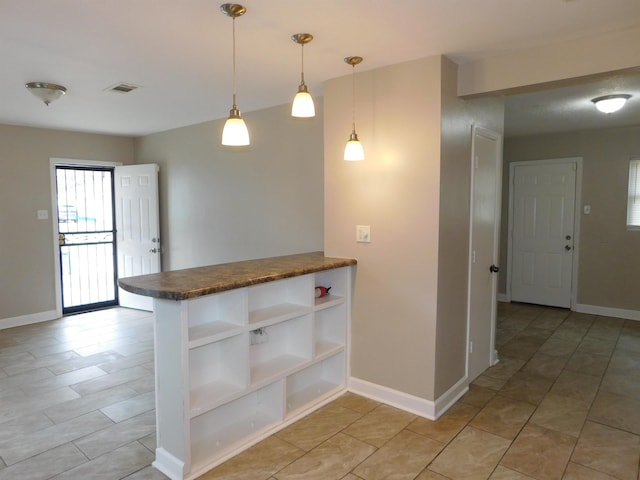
(138, 227)
(542, 227)
(483, 269)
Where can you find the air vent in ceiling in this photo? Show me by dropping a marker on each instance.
(122, 87)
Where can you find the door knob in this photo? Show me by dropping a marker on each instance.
(494, 269)
(567, 248)
(154, 250)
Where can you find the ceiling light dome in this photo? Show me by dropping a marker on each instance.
(611, 103)
(47, 92)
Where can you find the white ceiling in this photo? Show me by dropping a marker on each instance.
(179, 52)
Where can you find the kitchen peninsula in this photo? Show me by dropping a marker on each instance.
(243, 349)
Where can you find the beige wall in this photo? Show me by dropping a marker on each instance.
(549, 64)
(411, 279)
(609, 254)
(27, 283)
(458, 116)
(220, 204)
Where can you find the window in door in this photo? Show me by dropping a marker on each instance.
(633, 203)
(86, 238)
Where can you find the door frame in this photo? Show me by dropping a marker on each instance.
(65, 162)
(577, 218)
(493, 354)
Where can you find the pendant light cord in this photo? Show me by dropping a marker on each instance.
(302, 66)
(235, 106)
(353, 97)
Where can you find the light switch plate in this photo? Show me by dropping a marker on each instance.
(43, 214)
(363, 233)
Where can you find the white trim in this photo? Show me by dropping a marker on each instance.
(28, 319)
(407, 402)
(503, 297)
(395, 398)
(607, 311)
(168, 464)
(577, 217)
(480, 131)
(67, 162)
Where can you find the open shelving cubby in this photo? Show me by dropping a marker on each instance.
(286, 345)
(214, 317)
(315, 382)
(274, 302)
(336, 280)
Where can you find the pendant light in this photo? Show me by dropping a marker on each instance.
(353, 149)
(235, 131)
(302, 106)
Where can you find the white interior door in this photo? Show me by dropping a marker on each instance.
(484, 241)
(138, 227)
(542, 228)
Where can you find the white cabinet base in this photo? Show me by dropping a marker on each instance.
(237, 366)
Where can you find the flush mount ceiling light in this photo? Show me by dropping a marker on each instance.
(47, 92)
(235, 131)
(353, 150)
(611, 103)
(302, 103)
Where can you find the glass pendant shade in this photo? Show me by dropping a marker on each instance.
(353, 151)
(610, 103)
(303, 106)
(235, 132)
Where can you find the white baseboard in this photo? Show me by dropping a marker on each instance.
(503, 297)
(405, 401)
(607, 311)
(169, 464)
(28, 319)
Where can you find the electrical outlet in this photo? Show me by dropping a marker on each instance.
(43, 214)
(363, 233)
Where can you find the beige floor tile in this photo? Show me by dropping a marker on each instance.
(540, 453)
(447, 426)
(115, 436)
(616, 411)
(147, 473)
(45, 465)
(503, 473)
(114, 465)
(579, 472)
(130, 407)
(559, 347)
(317, 427)
(478, 396)
(622, 383)
(608, 450)
(491, 383)
(546, 366)
(576, 385)
(331, 460)
(402, 458)
(519, 348)
(429, 475)
(561, 414)
(88, 403)
(505, 368)
(472, 455)
(624, 361)
(355, 402)
(110, 380)
(526, 387)
(27, 445)
(596, 344)
(588, 363)
(503, 416)
(258, 462)
(380, 425)
(629, 343)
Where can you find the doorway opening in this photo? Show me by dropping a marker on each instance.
(86, 237)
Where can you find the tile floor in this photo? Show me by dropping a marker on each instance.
(76, 402)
